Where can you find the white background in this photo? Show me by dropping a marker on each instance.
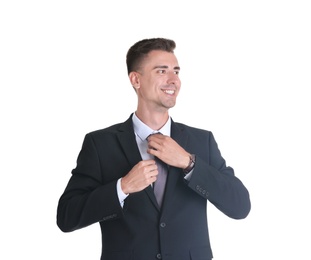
(245, 71)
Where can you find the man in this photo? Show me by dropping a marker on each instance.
(119, 168)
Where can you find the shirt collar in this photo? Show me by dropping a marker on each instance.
(143, 131)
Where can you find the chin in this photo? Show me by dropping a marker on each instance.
(170, 105)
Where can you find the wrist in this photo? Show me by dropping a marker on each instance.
(191, 164)
(122, 187)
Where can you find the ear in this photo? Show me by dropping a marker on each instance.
(134, 79)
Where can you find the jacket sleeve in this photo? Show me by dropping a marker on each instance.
(215, 181)
(87, 199)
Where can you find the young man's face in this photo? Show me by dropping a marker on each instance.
(158, 82)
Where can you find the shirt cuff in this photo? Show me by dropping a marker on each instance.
(121, 195)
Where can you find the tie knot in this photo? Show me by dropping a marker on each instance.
(155, 133)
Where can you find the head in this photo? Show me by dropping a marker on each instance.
(140, 50)
(153, 71)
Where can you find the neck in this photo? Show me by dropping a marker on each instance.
(155, 120)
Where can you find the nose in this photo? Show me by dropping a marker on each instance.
(173, 78)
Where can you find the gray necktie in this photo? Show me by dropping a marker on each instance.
(159, 184)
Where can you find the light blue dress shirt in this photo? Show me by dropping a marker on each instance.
(142, 131)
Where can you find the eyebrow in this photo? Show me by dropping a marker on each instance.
(165, 67)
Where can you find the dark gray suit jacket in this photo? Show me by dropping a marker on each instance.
(141, 230)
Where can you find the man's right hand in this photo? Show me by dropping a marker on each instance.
(141, 176)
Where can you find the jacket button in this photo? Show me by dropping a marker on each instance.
(162, 225)
(159, 256)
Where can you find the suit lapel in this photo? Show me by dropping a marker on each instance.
(128, 143)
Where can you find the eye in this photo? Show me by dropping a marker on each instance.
(161, 71)
(176, 72)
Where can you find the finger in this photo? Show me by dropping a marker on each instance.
(155, 136)
(155, 140)
(153, 169)
(155, 144)
(153, 152)
(146, 163)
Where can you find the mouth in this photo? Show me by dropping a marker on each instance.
(169, 91)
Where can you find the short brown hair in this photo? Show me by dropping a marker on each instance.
(140, 49)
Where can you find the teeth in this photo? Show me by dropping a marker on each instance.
(171, 92)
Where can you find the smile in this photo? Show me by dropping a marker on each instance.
(169, 91)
